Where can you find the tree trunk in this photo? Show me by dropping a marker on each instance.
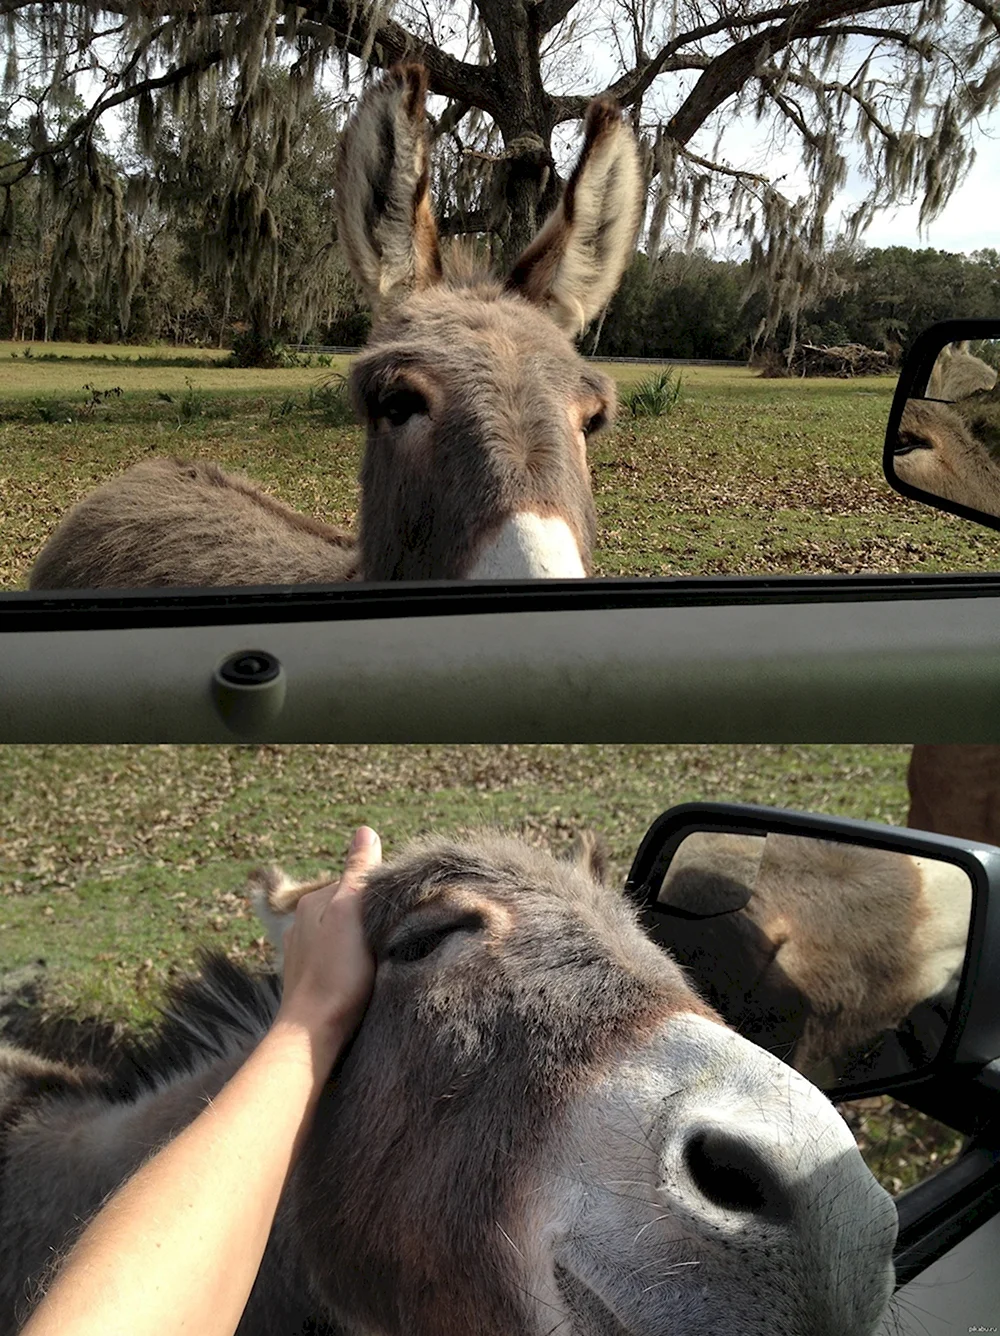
(256, 347)
(262, 322)
(525, 182)
(522, 193)
(225, 315)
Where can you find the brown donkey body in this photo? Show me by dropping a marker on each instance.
(539, 1128)
(954, 789)
(477, 405)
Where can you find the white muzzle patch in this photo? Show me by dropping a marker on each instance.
(644, 1236)
(529, 547)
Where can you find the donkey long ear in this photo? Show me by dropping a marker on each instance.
(590, 855)
(383, 201)
(274, 897)
(576, 261)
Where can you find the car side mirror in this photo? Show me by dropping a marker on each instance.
(865, 956)
(943, 440)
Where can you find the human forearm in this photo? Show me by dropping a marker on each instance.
(169, 1254)
(177, 1249)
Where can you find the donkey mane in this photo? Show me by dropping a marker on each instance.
(463, 267)
(220, 1011)
(214, 1014)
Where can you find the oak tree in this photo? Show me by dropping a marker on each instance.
(895, 87)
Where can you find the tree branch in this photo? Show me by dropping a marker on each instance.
(730, 71)
(457, 79)
(814, 85)
(987, 10)
(391, 43)
(322, 19)
(177, 74)
(450, 119)
(550, 13)
(573, 108)
(633, 85)
(735, 173)
(792, 111)
(921, 45)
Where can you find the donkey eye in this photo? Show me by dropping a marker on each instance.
(905, 445)
(419, 945)
(595, 423)
(416, 948)
(401, 405)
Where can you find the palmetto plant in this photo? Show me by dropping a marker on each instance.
(655, 396)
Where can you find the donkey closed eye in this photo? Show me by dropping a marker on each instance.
(397, 408)
(423, 943)
(905, 445)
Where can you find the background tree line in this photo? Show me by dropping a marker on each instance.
(172, 260)
(684, 305)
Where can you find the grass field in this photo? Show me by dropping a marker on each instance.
(117, 862)
(747, 476)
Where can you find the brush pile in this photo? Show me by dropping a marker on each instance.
(852, 359)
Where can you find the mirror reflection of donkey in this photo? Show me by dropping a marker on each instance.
(834, 943)
(944, 449)
(478, 407)
(538, 1128)
(947, 440)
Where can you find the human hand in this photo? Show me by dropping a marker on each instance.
(329, 970)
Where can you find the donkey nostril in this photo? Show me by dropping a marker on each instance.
(734, 1175)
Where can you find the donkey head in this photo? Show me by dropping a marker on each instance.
(478, 407)
(540, 1127)
(833, 944)
(938, 450)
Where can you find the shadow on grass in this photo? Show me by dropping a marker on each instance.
(28, 1021)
